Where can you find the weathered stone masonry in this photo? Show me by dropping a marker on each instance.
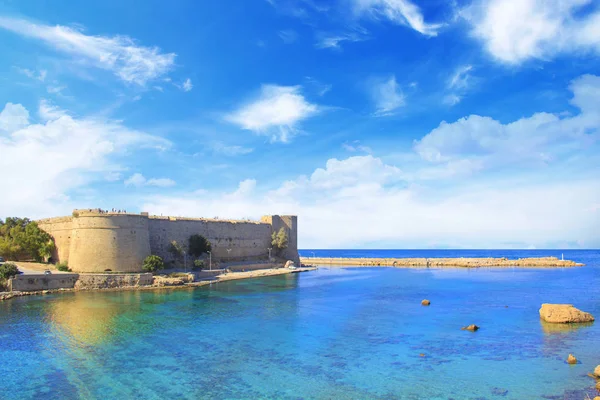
(92, 241)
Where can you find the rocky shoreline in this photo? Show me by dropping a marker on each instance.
(163, 282)
(490, 262)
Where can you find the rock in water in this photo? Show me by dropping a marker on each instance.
(571, 359)
(471, 328)
(563, 314)
(425, 302)
(597, 372)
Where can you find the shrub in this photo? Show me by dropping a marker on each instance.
(153, 264)
(8, 270)
(198, 245)
(62, 266)
(176, 250)
(279, 240)
(198, 265)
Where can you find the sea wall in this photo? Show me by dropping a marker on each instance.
(442, 262)
(93, 240)
(36, 282)
(106, 281)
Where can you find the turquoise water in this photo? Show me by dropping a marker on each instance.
(353, 333)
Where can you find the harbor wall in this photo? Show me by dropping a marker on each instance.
(92, 240)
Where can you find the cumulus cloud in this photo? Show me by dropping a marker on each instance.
(121, 55)
(366, 201)
(276, 112)
(539, 138)
(402, 12)
(44, 162)
(516, 31)
(361, 201)
(139, 180)
(13, 117)
(387, 96)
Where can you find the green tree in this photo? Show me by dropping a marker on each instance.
(198, 245)
(176, 250)
(8, 270)
(21, 238)
(153, 264)
(279, 240)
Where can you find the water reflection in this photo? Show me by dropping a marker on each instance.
(550, 329)
(90, 318)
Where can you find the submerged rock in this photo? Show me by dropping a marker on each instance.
(571, 359)
(425, 302)
(563, 314)
(471, 328)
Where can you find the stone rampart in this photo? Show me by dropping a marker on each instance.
(93, 240)
(108, 281)
(37, 282)
(244, 239)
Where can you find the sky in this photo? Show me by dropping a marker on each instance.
(380, 123)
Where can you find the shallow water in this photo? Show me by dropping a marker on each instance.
(353, 333)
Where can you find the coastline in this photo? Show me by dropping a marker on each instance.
(191, 285)
(462, 262)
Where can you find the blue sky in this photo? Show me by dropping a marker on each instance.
(380, 123)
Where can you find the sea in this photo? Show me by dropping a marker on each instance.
(332, 333)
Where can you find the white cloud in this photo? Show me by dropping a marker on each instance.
(320, 88)
(458, 84)
(460, 79)
(139, 180)
(276, 112)
(333, 41)
(288, 36)
(355, 146)
(119, 54)
(13, 117)
(48, 112)
(538, 139)
(40, 75)
(234, 150)
(401, 12)
(517, 30)
(452, 99)
(365, 201)
(187, 85)
(113, 176)
(362, 201)
(387, 96)
(48, 161)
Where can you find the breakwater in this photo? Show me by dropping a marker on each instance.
(543, 262)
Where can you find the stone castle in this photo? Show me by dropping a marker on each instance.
(92, 240)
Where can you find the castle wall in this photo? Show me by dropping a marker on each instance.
(290, 224)
(60, 229)
(247, 240)
(119, 242)
(94, 241)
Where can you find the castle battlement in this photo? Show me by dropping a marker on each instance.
(95, 240)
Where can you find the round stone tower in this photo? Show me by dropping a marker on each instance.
(108, 241)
